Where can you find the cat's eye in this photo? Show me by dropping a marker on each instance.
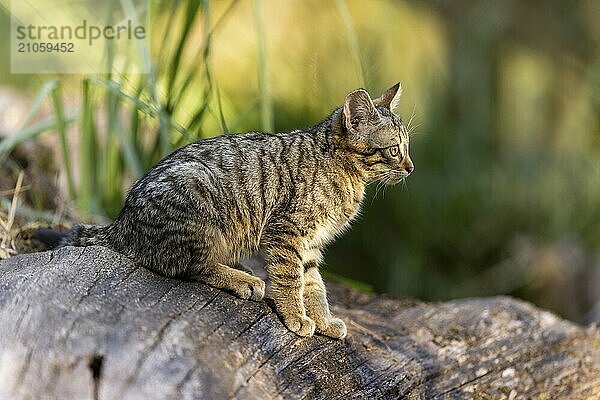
(395, 151)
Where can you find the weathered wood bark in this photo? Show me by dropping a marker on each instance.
(85, 323)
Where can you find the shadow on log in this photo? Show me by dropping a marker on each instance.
(85, 323)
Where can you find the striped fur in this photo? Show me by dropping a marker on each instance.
(210, 204)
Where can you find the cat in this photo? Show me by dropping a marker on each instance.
(209, 204)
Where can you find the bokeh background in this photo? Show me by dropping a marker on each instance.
(504, 99)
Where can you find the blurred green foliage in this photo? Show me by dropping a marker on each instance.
(506, 98)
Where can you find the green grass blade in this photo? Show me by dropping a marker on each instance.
(130, 154)
(266, 103)
(201, 62)
(61, 129)
(112, 163)
(89, 154)
(174, 63)
(164, 125)
(352, 39)
(222, 121)
(26, 133)
(29, 213)
(114, 88)
(362, 286)
(42, 94)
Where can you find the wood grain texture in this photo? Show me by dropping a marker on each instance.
(85, 323)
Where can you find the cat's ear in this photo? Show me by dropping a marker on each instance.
(390, 98)
(359, 111)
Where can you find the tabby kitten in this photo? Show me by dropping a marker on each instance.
(208, 205)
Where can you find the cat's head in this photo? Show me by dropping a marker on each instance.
(377, 135)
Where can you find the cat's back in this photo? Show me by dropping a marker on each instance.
(230, 151)
(229, 170)
(257, 170)
(220, 156)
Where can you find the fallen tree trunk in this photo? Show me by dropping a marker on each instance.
(85, 323)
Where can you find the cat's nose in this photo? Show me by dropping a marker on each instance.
(409, 168)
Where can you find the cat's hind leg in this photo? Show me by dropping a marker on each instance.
(238, 282)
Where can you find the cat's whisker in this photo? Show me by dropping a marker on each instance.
(380, 175)
(412, 129)
(410, 120)
(415, 133)
(389, 180)
(380, 184)
(383, 181)
(385, 187)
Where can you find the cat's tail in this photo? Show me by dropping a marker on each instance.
(86, 235)
(79, 235)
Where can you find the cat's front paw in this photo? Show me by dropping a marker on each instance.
(300, 325)
(252, 288)
(334, 327)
